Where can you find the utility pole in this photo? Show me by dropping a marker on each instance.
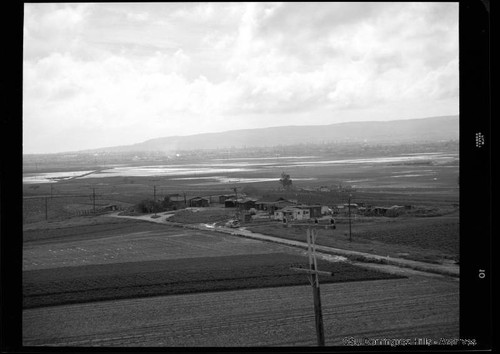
(46, 214)
(51, 190)
(154, 198)
(313, 274)
(93, 198)
(349, 206)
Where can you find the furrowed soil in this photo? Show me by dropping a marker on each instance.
(430, 239)
(130, 241)
(416, 307)
(49, 287)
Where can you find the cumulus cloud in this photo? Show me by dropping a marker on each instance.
(125, 73)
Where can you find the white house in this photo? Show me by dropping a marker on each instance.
(292, 213)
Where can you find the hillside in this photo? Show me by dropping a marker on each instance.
(413, 130)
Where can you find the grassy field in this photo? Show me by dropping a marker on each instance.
(50, 287)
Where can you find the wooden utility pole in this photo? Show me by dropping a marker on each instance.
(349, 206)
(313, 274)
(93, 198)
(154, 198)
(46, 213)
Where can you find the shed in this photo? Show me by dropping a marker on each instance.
(380, 210)
(176, 200)
(224, 197)
(245, 203)
(199, 202)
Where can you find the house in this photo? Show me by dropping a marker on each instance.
(338, 209)
(271, 205)
(353, 208)
(266, 206)
(314, 210)
(199, 202)
(292, 213)
(324, 189)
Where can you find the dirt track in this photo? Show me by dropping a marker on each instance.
(419, 307)
(446, 269)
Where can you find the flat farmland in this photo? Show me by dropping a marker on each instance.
(101, 281)
(416, 307)
(49, 287)
(129, 241)
(430, 239)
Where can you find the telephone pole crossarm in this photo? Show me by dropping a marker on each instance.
(309, 271)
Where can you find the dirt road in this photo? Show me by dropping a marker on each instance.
(417, 307)
(446, 269)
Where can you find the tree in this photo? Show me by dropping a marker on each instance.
(286, 181)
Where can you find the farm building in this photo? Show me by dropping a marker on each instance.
(314, 210)
(292, 213)
(353, 207)
(245, 203)
(272, 205)
(338, 209)
(224, 197)
(325, 210)
(176, 200)
(109, 207)
(266, 206)
(242, 203)
(379, 210)
(199, 202)
(395, 210)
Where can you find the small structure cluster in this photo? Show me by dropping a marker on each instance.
(281, 209)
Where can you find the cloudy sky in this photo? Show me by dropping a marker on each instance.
(108, 74)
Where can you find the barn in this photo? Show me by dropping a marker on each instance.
(199, 202)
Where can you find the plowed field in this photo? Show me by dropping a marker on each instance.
(48, 287)
(418, 307)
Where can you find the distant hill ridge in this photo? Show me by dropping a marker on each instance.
(410, 130)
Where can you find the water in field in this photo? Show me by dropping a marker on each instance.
(51, 177)
(223, 171)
